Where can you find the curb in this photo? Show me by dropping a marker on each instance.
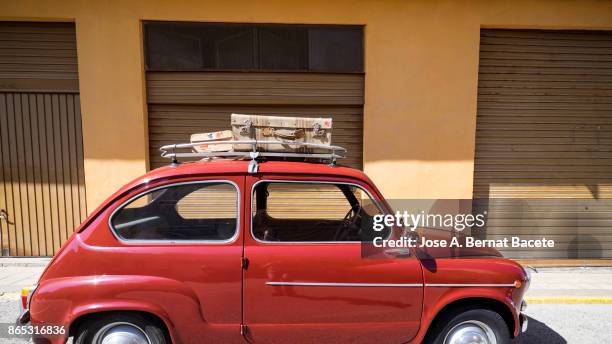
(24, 262)
(23, 265)
(569, 300)
(9, 296)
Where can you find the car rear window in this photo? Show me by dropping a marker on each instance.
(195, 211)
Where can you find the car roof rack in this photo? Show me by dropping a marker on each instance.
(324, 153)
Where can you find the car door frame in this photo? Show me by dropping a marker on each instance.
(300, 331)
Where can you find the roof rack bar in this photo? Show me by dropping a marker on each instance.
(247, 154)
(331, 153)
(253, 143)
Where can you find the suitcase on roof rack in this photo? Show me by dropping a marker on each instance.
(283, 130)
(202, 140)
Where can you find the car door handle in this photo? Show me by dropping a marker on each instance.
(398, 252)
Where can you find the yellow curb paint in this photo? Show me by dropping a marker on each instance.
(570, 300)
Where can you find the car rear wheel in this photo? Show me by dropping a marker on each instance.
(119, 329)
(477, 326)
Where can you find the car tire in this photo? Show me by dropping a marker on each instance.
(127, 326)
(486, 325)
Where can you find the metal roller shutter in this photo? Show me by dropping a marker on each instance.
(543, 163)
(182, 103)
(42, 187)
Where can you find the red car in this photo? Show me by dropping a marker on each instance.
(214, 251)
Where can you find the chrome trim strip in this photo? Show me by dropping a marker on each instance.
(179, 242)
(380, 208)
(464, 285)
(325, 284)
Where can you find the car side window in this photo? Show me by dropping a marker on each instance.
(200, 211)
(312, 212)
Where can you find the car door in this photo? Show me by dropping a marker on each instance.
(305, 282)
(185, 237)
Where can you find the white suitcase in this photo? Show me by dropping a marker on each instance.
(283, 130)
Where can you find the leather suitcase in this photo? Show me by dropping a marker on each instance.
(203, 138)
(284, 130)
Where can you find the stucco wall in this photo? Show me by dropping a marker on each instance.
(421, 77)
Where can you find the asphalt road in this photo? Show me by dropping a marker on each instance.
(559, 324)
(550, 324)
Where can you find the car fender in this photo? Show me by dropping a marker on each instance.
(437, 298)
(60, 301)
(124, 305)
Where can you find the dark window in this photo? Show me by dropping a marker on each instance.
(253, 47)
(196, 211)
(283, 48)
(335, 49)
(187, 46)
(226, 47)
(185, 49)
(313, 212)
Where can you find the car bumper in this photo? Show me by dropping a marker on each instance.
(24, 318)
(524, 322)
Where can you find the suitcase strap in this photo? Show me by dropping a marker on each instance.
(246, 130)
(291, 134)
(317, 130)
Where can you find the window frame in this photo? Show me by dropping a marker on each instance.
(178, 242)
(293, 181)
(255, 25)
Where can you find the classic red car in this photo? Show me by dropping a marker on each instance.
(213, 251)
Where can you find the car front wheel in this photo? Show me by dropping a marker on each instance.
(119, 329)
(477, 326)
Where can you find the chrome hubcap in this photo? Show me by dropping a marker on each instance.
(471, 332)
(121, 333)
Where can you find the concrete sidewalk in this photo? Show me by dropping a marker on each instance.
(571, 285)
(16, 273)
(548, 285)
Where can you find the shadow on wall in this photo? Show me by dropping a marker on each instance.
(538, 332)
(579, 227)
(575, 248)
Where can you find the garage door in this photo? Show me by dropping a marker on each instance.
(544, 140)
(42, 192)
(214, 70)
(184, 103)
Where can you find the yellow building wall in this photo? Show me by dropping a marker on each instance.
(421, 63)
